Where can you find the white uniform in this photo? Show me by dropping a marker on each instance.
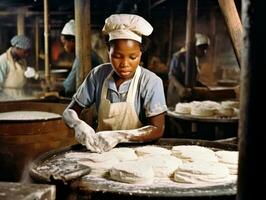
(11, 71)
(120, 115)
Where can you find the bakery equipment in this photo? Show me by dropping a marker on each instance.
(100, 188)
(22, 140)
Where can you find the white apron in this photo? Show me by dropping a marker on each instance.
(15, 77)
(120, 115)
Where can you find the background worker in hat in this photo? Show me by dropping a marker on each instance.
(176, 91)
(13, 65)
(68, 87)
(129, 99)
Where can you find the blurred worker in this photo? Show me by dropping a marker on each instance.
(13, 65)
(68, 88)
(129, 98)
(177, 91)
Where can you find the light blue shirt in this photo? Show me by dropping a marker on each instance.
(4, 68)
(70, 82)
(149, 99)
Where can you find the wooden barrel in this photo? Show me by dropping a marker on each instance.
(21, 141)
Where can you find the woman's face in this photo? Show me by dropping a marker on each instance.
(69, 45)
(21, 53)
(125, 57)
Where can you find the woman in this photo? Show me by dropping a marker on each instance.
(127, 96)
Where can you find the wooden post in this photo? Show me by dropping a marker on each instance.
(83, 38)
(21, 21)
(211, 50)
(46, 42)
(233, 24)
(36, 42)
(191, 71)
(252, 139)
(170, 43)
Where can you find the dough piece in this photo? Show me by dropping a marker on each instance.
(100, 163)
(211, 104)
(152, 149)
(230, 104)
(78, 155)
(28, 115)
(163, 165)
(202, 111)
(191, 153)
(229, 159)
(226, 112)
(134, 172)
(183, 108)
(124, 153)
(197, 172)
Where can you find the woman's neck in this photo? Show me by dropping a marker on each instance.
(118, 80)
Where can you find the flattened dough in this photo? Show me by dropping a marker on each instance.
(152, 150)
(134, 172)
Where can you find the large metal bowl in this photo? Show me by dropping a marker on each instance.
(100, 188)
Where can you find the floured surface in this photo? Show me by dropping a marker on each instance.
(160, 187)
(28, 115)
(164, 166)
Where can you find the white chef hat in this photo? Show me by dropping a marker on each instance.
(21, 41)
(202, 39)
(126, 26)
(69, 28)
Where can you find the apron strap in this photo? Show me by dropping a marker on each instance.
(133, 86)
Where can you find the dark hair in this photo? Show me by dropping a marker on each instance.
(68, 37)
(143, 46)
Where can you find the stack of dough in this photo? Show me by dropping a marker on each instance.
(200, 172)
(205, 108)
(124, 153)
(192, 153)
(183, 108)
(152, 150)
(208, 108)
(230, 159)
(100, 163)
(162, 165)
(134, 172)
(230, 104)
(226, 112)
(233, 106)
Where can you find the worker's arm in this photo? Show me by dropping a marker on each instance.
(84, 133)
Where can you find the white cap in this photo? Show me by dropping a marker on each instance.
(69, 28)
(202, 39)
(126, 26)
(21, 41)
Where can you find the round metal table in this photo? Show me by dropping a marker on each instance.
(195, 127)
(91, 187)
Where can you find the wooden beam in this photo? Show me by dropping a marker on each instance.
(21, 22)
(36, 31)
(191, 71)
(233, 24)
(46, 42)
(83, 38)
(252, 139)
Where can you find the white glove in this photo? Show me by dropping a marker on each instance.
(30, 72)
(84, 134)
(109, 139)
